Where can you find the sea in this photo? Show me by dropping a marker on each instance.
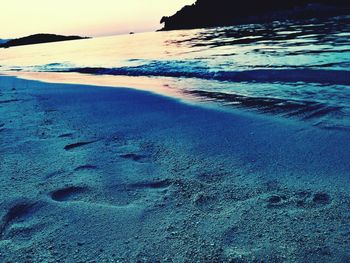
(298, 70)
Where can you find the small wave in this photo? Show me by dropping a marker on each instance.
(300, 109)
(321, 76)
(272, 97)
(304, 109)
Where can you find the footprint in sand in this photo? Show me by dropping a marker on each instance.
(85, 167)
(71, 193)
(8, 101)
(77, 144)
(16, 213)
(321, 199)
(150, 184)
(134, 157)
(301, 199)
(118, 195)
(276, 200)
(66, 135)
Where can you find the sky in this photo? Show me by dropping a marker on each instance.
(83, 17)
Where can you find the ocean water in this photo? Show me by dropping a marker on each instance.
(296, 69)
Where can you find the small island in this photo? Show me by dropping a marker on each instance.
(2, 41)
(38, 39)
(208, 13)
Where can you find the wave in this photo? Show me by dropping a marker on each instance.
(322, 115)
(288, 107)
(309, 94)
(321, 76)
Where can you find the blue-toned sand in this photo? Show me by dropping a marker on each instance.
(96, 174)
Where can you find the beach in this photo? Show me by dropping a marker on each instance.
(107, 174)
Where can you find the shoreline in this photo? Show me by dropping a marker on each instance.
(172, 88)
(164, 87)
(147, 84)
(98, 173)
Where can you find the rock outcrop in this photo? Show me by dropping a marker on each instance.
(208, 13)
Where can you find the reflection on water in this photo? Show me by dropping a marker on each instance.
(293, 69)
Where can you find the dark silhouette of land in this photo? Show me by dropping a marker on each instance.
(208, 13)
(38, 39)
(2, 41)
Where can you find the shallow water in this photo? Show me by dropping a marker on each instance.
(296, 69)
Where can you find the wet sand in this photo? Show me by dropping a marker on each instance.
(98, 174)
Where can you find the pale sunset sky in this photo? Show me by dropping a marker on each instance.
(83, 17)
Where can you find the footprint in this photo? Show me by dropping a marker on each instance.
(134, 157)
(85, 167)
(276, 201)
(153, 185)
(68, 193)
(124, 194)
(8, 101)
(66, 135)
(115, 197)
(300, 199)
(15, 213)
(118, 195)
(321, 199)
(78, 144)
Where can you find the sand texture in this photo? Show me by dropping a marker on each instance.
(97, 174)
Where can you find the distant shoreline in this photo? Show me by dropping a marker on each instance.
(38, 39)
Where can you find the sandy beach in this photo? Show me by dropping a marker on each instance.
(98, 174)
